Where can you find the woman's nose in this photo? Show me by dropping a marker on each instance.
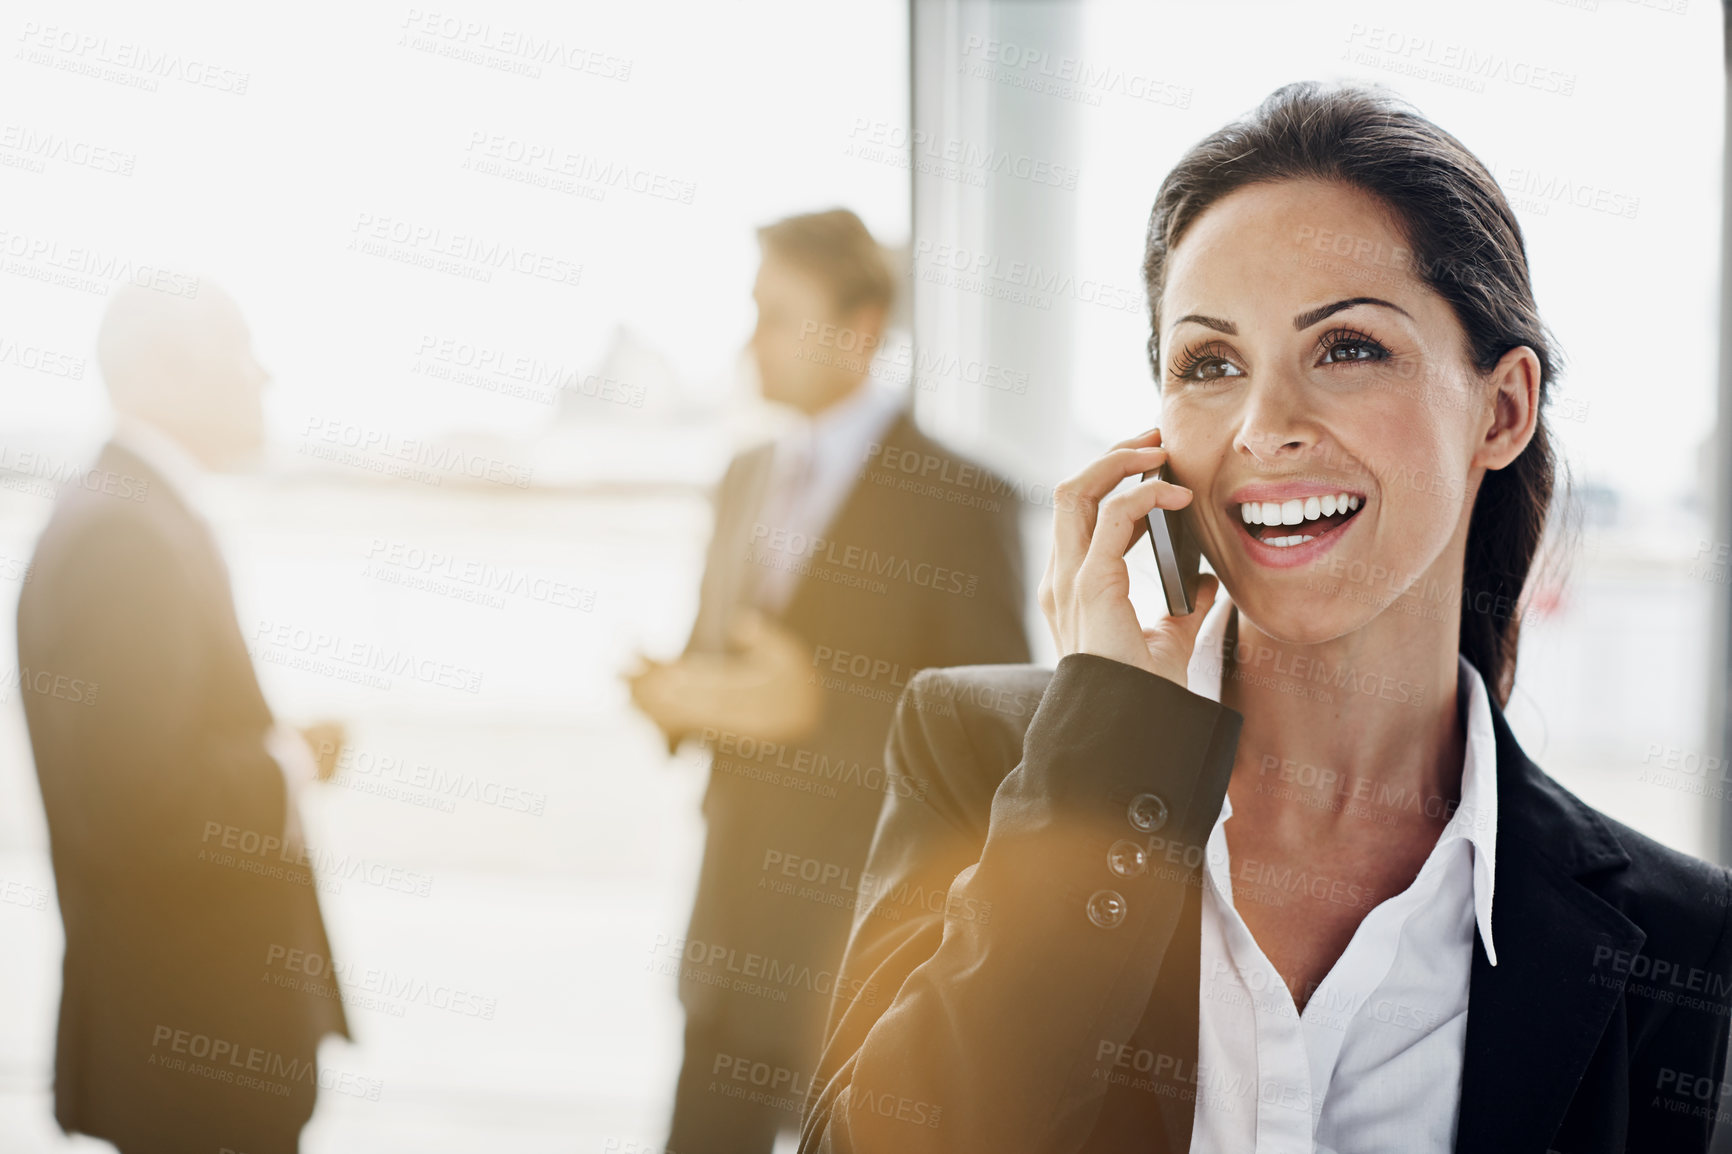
(1274, 423)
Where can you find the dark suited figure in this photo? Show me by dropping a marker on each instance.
(847, 555)
(177, 854)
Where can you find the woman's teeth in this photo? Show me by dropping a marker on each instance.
(1295, 512)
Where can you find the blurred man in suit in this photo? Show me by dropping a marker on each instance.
(169, 789)
(846, 556)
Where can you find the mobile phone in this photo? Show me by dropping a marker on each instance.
(1176, 553)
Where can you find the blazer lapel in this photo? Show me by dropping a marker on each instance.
(1535, 1019)
(854, 520)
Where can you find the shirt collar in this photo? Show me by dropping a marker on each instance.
(178, 468)
(853, 422)
(1475, 819)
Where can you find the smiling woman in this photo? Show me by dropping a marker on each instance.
(1241, 864)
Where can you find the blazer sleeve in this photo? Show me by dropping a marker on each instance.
(987, 1020)
(719, 557)
(1677, 1067)
(708, 624)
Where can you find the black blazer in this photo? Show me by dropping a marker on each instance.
(1010, 1005)
(909, 576)
(148, 730)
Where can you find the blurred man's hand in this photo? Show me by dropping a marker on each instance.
(764, 691)
(325, 739)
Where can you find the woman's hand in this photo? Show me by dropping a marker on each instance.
(1085, 592)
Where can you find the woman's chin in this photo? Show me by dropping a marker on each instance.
(1300, 617)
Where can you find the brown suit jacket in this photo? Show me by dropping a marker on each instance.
(148, 730)
(906, 576)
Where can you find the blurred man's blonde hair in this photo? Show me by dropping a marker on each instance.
(837, 248)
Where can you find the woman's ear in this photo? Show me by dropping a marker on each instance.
(1515, 408)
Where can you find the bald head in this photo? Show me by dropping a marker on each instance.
(184, 365)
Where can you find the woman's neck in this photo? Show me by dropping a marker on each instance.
(1351, 725)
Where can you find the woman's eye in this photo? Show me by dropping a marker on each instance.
(1353, 351)
(1210, 369)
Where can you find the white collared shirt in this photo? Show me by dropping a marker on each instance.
(815, 466)
(173, 463)
(1374, 1062)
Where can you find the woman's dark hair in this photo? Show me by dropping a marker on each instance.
(1462, 240)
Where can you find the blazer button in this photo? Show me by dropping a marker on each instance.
(1107, 908)
(1148, 813)
(1127, 859)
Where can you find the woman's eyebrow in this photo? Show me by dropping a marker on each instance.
(1215, 323)
(1305, 320)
